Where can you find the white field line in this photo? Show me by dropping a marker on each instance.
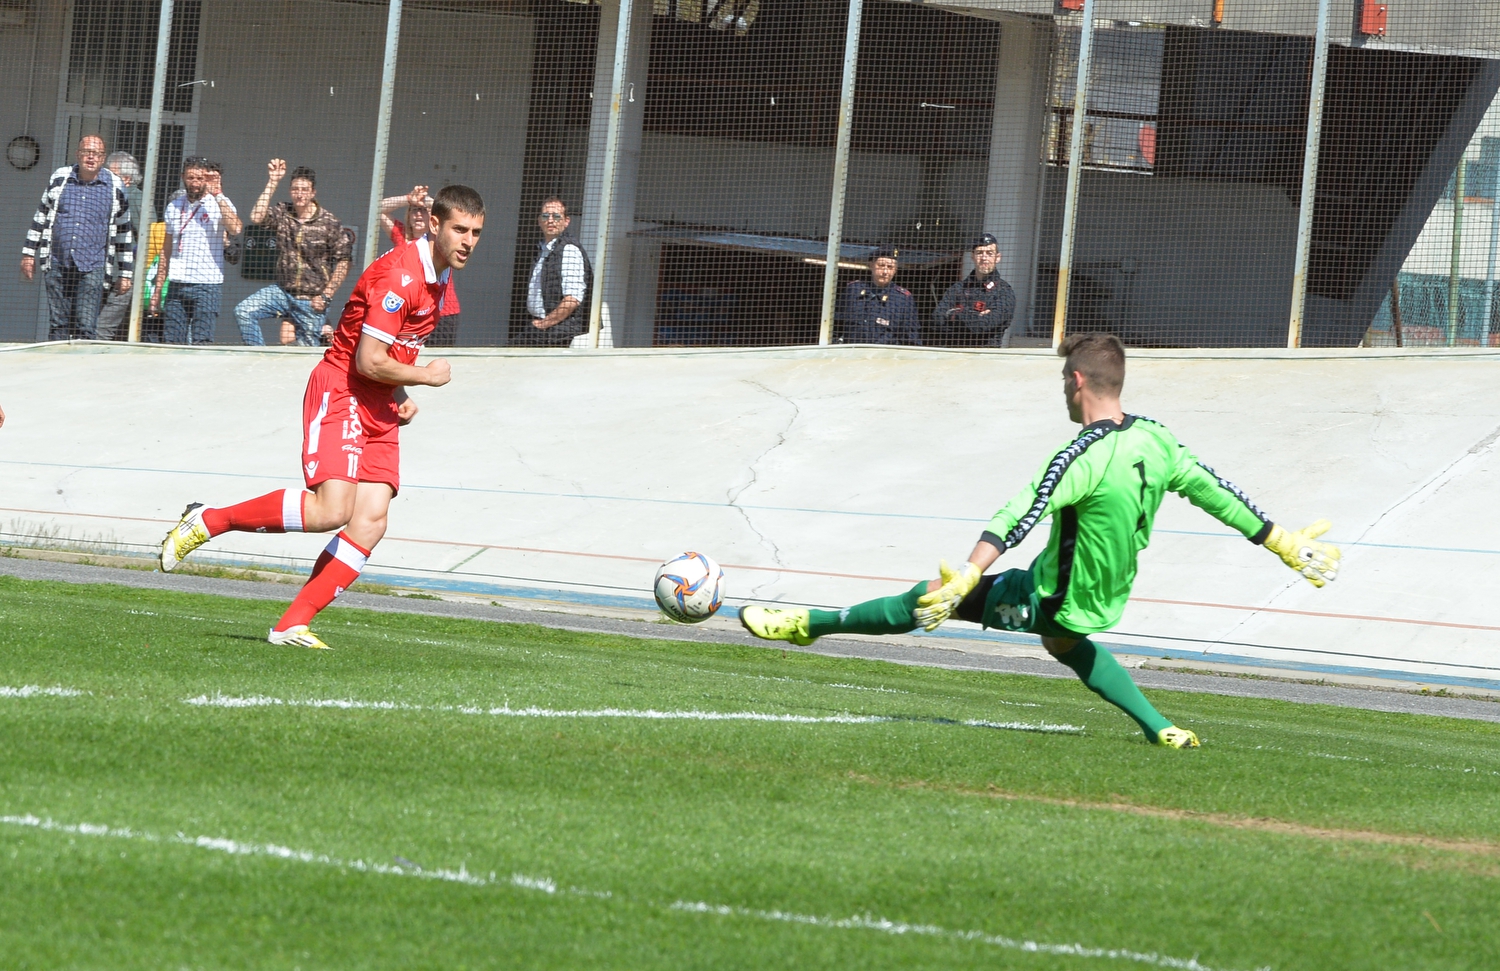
(36, 690)
(546, 885)
(898, 928)
(650, 714)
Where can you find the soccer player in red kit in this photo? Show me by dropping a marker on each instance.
(356, 402)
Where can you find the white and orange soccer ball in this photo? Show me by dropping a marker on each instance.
(689, 587)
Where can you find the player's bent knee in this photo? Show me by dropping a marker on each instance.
(1058, 646)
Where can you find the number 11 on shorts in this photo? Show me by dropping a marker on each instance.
(354, 466)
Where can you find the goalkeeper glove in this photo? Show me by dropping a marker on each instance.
(938, 605)
(1317, 562)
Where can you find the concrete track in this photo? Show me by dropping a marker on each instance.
(822, 476)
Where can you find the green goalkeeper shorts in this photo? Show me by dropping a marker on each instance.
(1009, 601)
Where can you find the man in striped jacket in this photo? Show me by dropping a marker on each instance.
(81, 241)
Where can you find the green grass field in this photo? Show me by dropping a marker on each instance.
(494, 796)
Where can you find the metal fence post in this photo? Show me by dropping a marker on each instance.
(153, 155)
(1075, 174)
(1455, 266)
(611, 153)
(840, 173)
(1489, 276)
(383, 130)
(1309, 176)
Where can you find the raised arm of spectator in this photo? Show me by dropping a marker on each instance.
(275, 172)
(227, 213)
(389, 205)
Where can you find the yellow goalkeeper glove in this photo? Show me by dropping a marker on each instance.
(1317, 562)
(938, 605)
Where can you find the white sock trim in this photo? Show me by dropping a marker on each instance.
(347, 553)
(291, 510)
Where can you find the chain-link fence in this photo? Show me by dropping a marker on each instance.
(684, 172)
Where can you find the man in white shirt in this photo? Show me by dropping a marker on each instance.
(192, 257)
(560, 281)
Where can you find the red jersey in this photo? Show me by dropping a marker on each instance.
(450, 296)
(397, 301)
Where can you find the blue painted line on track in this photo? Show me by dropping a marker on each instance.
(589, 497)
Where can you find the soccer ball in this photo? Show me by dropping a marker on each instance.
(689, 587)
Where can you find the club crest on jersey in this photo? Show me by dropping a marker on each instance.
(392, 302)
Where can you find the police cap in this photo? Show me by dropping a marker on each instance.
(886, 252)
(984, 239)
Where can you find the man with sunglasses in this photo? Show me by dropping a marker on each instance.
(193, 254)
(560, 282)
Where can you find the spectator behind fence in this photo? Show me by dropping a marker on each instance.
(312, 258)
(114, 316)
(193, 254)
(976, 310)
(417, 203)
(877, 311)
(81, 238)
(560, 282)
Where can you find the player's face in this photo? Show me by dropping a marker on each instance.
(195, 181)
(985, 258)
(455, 237)
(883, 271)
(1073, 393)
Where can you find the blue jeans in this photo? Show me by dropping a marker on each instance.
(191, 312)
(73, 300)
(273, 301)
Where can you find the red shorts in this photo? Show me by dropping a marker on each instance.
(348, 434)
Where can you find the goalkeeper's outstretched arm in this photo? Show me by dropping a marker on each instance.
(1316, 561)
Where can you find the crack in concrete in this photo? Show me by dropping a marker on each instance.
(733, 495)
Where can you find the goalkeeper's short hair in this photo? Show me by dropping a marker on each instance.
(1101, 358)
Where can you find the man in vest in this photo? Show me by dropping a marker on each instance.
(560, 282)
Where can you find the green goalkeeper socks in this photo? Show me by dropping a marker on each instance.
(1098, 669)
(888, 615)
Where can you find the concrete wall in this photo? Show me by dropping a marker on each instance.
(813, 476)
(20, 190)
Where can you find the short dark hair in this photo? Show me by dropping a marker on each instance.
(197, 162)
(550, 200)
(1101, 358)
(460, 197)
(303, 172)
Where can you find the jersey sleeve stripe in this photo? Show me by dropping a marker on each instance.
(1055, 470)
(1237, 492)
(379, 335)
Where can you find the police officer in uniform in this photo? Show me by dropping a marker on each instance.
(977, 310)
(877, 311)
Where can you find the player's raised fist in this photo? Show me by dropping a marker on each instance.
(439, 373)
(276, 169)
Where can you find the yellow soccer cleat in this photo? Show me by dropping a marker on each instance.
(182, 539)
(1176, 737)
(772, 624)
(299, 636)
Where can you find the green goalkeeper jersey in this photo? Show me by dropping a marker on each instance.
(1102, 493)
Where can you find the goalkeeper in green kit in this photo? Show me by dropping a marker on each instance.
(1102, 492)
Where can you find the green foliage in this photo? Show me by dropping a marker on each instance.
(1093, 838)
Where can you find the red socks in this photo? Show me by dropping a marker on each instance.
(274, 512)
(338, 566)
